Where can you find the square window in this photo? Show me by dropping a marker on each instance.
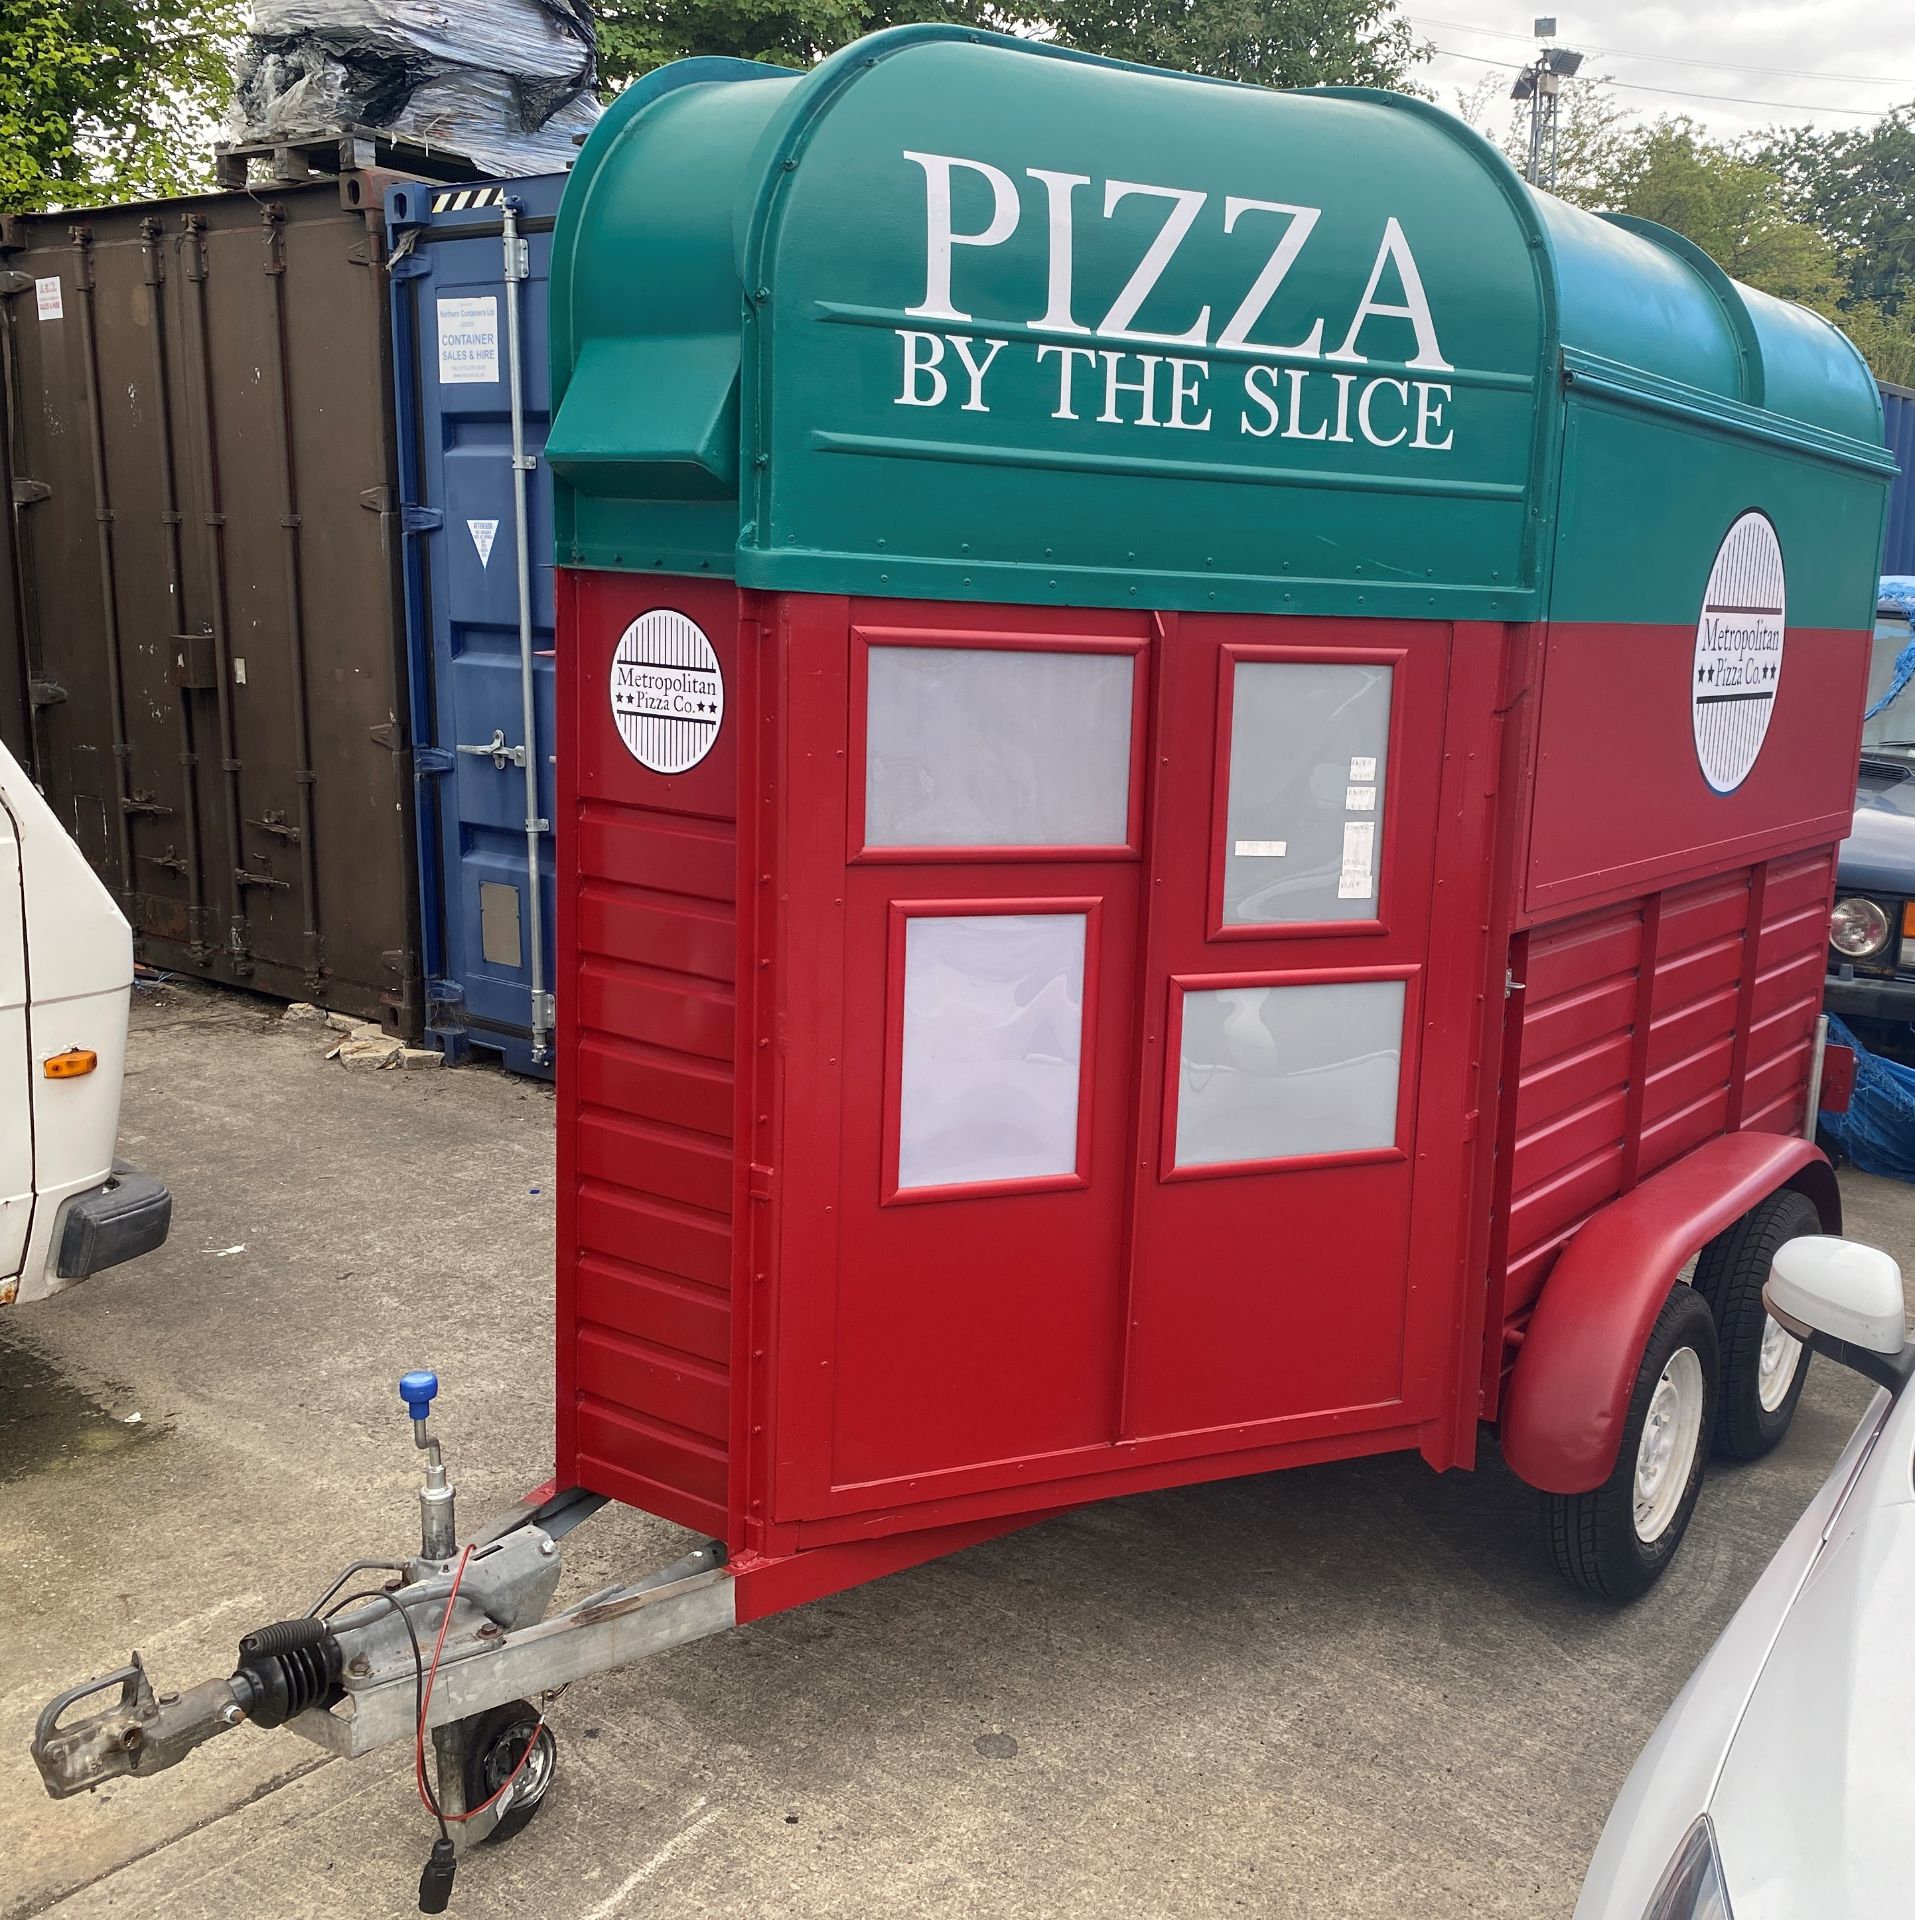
(992, 1047)
(1309, 750)
(997, 747)
(1278, 1073)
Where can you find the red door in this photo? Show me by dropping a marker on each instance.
(990, 926)
(1275, 1271)
(1127, 1056)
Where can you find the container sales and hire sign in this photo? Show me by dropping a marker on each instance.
(1092, 361)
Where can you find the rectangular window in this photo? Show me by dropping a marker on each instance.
(1288, 1072)
(1303, 828)
(992, 1048)
(997, 747)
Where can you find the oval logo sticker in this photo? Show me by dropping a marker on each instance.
(668, 695)
(1738, 652)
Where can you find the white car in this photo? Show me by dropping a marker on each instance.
(67, 1208)
(1782, 1781)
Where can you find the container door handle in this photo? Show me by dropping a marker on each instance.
(496, 751)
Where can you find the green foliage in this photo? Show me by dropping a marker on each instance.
(1274, 43)
(635, 36)
(1858, 187)
(1826, 219)
(109, 99)
(1821, 239)
(1292, 43)
(1732, 207)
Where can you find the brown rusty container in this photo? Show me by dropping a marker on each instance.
(202, 618)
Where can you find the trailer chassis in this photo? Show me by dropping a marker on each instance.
(351, 1673)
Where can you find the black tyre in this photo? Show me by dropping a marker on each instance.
(1762, 1367)
(494, 1746)
(1616, 1540)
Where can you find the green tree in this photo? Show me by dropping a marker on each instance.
(1731, 206)
(109, 99)
(635, 36)
(1274, 43)
(1291, 43)
(1734, 204)
(1858, 186)
(1824, 219)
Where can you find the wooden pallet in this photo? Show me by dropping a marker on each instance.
(307, 156)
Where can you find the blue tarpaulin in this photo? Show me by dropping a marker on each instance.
(1878, 1130)
(1897, 590)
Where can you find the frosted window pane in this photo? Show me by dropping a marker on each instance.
(993, 1036)
(978, 747)
(1309, 744)
(1269, 1073)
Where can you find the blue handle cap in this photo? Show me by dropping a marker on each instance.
(418, 1390)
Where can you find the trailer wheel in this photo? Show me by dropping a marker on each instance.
(1617, 1539)
(495, 1746)
(1763, 1367)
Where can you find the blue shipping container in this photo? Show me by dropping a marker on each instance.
(478, 575)
(1898, 429)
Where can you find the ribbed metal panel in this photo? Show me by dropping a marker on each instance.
(202, 586)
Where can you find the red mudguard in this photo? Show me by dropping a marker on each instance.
(1569, 1395)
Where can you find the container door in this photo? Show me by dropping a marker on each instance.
(480, 903)
(1275, 1272)
(991, 901)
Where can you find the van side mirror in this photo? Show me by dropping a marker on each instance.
(1845, 1300)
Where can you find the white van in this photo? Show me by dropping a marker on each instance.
(66, 977)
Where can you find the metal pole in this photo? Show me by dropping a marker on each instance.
(517, 267)
(1815, 1076)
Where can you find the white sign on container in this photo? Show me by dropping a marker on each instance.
(468, 339)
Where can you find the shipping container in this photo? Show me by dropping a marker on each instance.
(469, 273)
(204, 576)
(1898, 429)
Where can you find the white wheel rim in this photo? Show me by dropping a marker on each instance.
(1781, 1355)
(1667, 1450)
(534, 1777)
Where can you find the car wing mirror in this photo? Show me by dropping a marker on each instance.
(1846, 1301)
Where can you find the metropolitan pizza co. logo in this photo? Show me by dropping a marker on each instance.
(668, 692)
(1738, 663)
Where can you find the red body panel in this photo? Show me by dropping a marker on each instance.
(763, 1336)
(648, 934)
(1619, 806)
(1569, 1394)
(1649, 1027)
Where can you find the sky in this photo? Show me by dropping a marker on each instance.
(1822, 63)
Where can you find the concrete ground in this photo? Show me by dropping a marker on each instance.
(1351, 1690)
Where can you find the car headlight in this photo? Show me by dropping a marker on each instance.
(1858, 927)
(1692, 1888)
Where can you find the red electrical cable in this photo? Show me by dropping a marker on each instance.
(426, 1798)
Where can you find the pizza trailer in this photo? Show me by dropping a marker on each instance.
(1201, 745)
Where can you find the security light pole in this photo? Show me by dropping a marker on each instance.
(1540, 84)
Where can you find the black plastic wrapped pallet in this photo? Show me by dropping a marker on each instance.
(510, 84)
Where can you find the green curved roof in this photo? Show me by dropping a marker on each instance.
(957, 316)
